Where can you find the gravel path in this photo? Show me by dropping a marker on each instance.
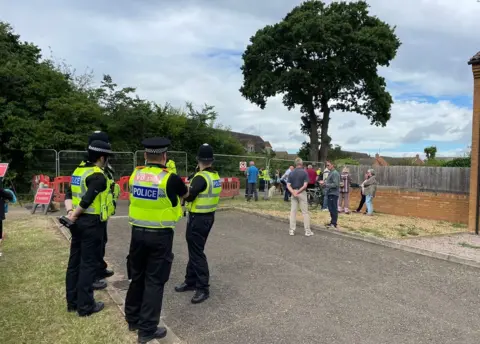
(461, 245)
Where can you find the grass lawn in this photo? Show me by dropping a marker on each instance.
(380, 225)
(32, 291)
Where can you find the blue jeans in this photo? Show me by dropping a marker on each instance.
(369, 202)
(325, 200)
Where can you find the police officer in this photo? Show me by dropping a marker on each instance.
(155, 209)
(103, 271)
(171, 166)
(203, 197)
(92, 206)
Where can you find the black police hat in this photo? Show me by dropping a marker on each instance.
(100, 148)
(205, 153)
(156, 145)
(98, 136)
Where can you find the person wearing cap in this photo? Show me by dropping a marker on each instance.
(155, 208)
(202, 201)
(103, 271)
(92, 205)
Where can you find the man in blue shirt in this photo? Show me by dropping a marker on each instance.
(252, 176)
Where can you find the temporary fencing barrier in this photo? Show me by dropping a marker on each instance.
(60, 184)
(180, 158)
(36, 180)
(123, 163)
(230, 187)
(124, 189)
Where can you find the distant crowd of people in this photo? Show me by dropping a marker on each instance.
(296, 180)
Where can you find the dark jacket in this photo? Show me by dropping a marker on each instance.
(3, 197)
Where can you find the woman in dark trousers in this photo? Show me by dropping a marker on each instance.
(4, 196)
(362, 200)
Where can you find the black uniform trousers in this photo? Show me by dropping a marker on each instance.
(85, 248)
(198, 229)
(103, 265)
(150, 260)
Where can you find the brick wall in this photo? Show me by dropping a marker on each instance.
(429, 205)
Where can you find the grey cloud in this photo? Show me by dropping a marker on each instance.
(421, 133)
(354, 140)
(349, 124)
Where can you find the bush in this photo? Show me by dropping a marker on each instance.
(459, 162)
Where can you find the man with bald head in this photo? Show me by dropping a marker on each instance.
(252, 176)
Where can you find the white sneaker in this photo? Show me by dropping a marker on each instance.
(291, 232)
(308, 233)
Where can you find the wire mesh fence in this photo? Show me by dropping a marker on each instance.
(180, 159)
(122, 162)
(23, 166)
(282, 165)
(229, 165)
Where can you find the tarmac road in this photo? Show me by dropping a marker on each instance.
(270, 288)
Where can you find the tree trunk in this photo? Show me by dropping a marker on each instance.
(324, 139)
(313, 135)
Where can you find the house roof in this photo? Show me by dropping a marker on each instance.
(475, 60)
(245, 139)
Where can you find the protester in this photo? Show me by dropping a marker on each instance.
(5, 196)
(297, 185)
(332, 190)
(325, 198)
(252, 177)
(312, 177)
(370, 186)
(284, 181)
(362, 194)
(344, 198)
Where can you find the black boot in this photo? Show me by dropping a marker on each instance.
(184, 287)
(200, 296)
(99, 285)
(107, 273)
(132, 326)
(99, 306)
(161, 332)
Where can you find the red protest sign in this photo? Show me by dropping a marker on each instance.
(3, 169)
(43, 196)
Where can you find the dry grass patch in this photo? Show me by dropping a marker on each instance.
(32, 291)
(380, 225)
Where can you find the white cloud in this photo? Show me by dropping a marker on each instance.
(163, 50)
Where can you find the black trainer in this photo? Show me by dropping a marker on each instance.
(184, 287)
(107, 273)
(161, 332)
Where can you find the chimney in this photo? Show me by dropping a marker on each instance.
(473, 211)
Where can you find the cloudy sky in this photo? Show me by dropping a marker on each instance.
(178, 50)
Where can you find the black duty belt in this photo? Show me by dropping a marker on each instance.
(153, 230)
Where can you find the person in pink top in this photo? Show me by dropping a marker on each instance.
(312, 177)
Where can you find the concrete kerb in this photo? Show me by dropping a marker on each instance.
(372, 240)
(117, 298)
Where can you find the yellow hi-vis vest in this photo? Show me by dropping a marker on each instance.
(102, 205)
(115, 190)
(171, 167)
(266, 175)
(207, 200)
(150, 206)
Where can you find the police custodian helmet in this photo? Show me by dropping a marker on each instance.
(98, 136)
(97, 149)
(205, 153)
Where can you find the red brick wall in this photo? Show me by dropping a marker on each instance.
(428, 205)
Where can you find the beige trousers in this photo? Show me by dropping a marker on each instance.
(345, 197)
(301, 201)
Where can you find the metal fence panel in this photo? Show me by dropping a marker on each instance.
(122, 162)
(180, 158)
(23, 166)
(229, 166)
(282, 165)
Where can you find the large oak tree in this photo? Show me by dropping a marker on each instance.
(322, 58)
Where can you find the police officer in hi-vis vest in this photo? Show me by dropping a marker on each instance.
(103, 271)
(92, 204)
(171, 167)
(203, 197)
(155, 209)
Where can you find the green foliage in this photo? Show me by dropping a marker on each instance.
(434, 162)
(459, 162)
(335, 152)
(44, 105)
(431, 152)
(346, 161)
(322, 58)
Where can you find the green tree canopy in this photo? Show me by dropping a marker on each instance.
(322, 58)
